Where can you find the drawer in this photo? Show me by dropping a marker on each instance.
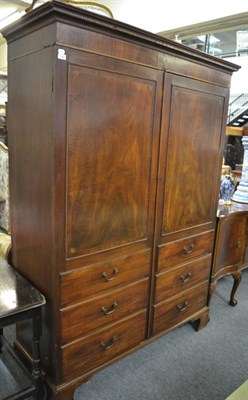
(175, 281)
(91, 280)
(181, 251)
(88, 353)
(176, 310)
(93, 314)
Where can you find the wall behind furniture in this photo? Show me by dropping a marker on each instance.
(159, 15)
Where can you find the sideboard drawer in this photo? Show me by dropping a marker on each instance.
(181, 251)
(96, 349)
(176, 280)
(90, 280)
(81, 318)
(178, 309)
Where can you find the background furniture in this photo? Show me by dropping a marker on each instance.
(3, 109)
(231, 246)
(242, 42)
(117, 195)
(4, 188)
(5, 247)
(20, 301)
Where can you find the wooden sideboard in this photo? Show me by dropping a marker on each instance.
(231, 246)
(116, 139)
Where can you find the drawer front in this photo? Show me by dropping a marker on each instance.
(86, 354)
(179, 308)
(88, 281)
(175, 281)
(181, 251)
(93, 314)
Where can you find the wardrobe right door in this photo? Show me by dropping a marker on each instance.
(192, 132)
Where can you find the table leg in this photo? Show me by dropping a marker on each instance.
(37, 372)
(237, 279)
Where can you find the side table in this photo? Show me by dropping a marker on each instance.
(231, 245)
(19, 300)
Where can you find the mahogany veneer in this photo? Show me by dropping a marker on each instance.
(231, 246)
(116, 138)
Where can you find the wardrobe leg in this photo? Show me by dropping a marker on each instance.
(201, 322)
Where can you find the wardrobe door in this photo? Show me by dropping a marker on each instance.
(190, 157)
(191, 140)
(112, 145)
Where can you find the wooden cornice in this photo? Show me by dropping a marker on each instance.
(56, 11)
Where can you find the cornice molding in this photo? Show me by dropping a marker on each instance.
(57, 11)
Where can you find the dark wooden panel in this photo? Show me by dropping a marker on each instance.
(181, 251)
(31, 166)
(230, 242)
(30, 140)
(181, 278)
(84, 39)
(179, 308)
(190, 154)
(110, 138)
(192, 158)
(192, 69)
(88, 353)
(103, 310)
(88, 281)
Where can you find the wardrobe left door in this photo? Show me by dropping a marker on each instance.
(113, 122)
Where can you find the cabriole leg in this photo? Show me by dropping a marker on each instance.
(237, 279)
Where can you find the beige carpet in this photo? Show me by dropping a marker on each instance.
(241, 393)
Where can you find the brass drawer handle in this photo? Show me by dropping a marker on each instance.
(188, 249)
(108, 345)
(108, 278)
(112, 308)
(182, 307)
(186, 278)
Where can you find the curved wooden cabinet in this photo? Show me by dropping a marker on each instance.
(116, 139)
(231, 244)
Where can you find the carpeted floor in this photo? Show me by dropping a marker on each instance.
(184, 364)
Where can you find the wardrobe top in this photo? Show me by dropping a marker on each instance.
(57, 11)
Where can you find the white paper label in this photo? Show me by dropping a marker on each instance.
(61, 54)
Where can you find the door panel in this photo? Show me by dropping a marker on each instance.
(230, 242)
(110, 149)
(189, 155)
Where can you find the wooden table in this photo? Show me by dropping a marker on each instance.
(19, 301)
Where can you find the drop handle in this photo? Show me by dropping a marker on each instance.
(108, 278)
(238, 244)
(112, 308)
(182, 307)
(108, 345)
(189, 248)
(185, 278)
